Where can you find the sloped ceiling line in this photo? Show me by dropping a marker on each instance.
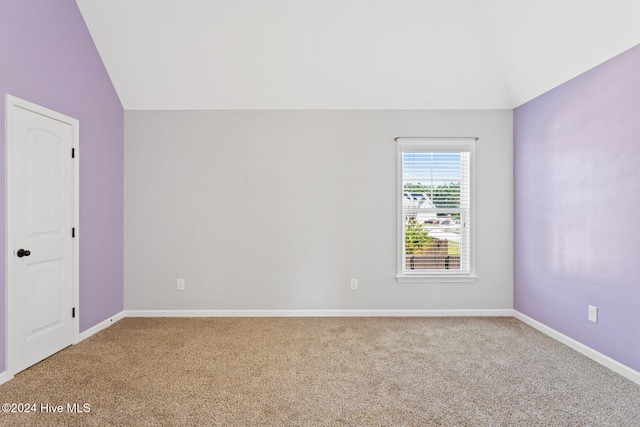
(356, 54)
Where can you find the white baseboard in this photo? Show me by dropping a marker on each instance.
(319, 313)
(4, 377)
(100, 326)
(614, 365)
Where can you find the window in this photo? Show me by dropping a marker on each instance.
(435, 239)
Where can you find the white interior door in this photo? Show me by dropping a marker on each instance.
(40, 232)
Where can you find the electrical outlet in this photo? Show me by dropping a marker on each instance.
(181, 284)
(593, 314)
(354, 284)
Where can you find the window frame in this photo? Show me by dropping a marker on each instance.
(426, 145)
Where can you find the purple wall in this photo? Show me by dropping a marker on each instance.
(577, 208)
(48, 57)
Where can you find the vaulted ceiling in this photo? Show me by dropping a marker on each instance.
(352, 54)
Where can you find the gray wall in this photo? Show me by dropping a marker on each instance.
(279, 209)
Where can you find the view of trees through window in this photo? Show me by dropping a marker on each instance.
(433, 199)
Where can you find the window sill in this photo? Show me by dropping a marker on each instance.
(437, 279)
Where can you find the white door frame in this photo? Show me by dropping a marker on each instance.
(11, 103)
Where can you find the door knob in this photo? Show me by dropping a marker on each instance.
(22, 252)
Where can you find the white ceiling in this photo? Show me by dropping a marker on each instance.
(352, 54)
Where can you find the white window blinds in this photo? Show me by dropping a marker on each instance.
(435, 205)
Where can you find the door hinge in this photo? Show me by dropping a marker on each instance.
(73, 153)
(73, 312)
(73, 232)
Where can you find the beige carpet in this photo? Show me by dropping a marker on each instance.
(323, 372)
